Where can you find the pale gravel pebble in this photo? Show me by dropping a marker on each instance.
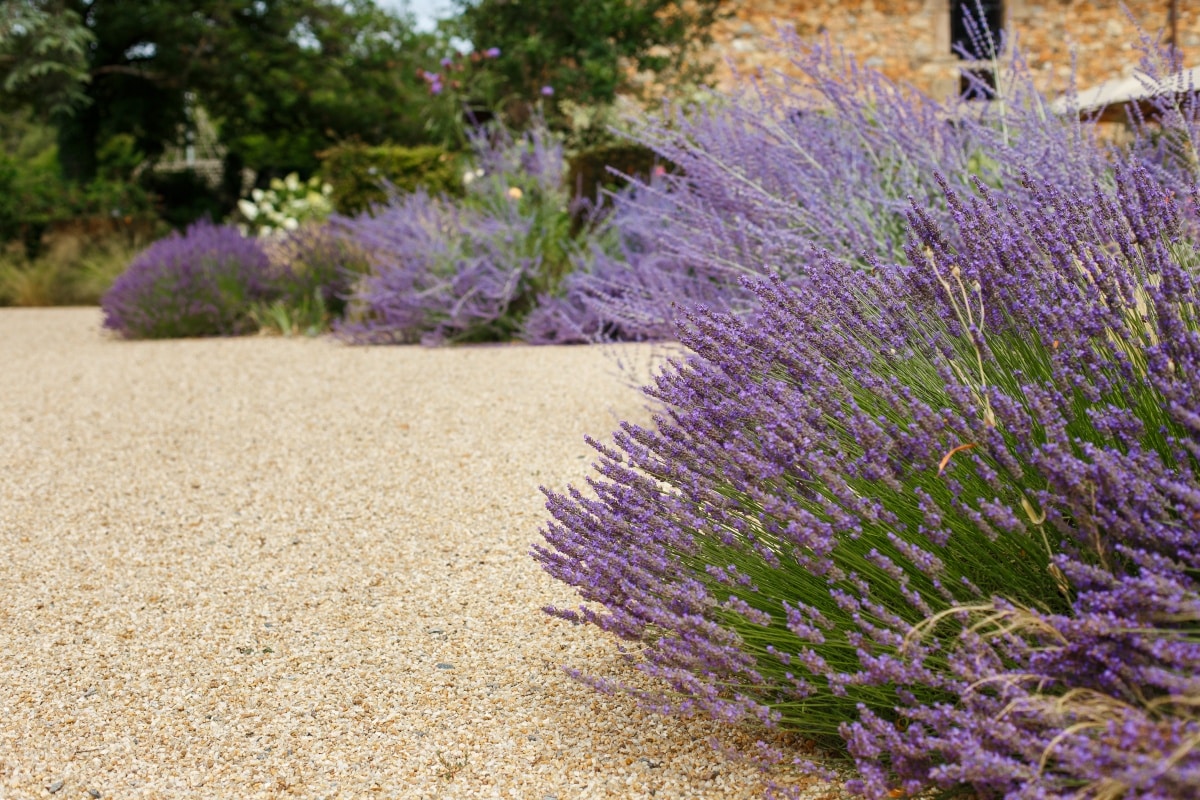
(268, 567)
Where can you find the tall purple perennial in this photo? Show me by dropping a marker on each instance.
(626, 286)
(826, 158)
(941, 513)
(446, 271)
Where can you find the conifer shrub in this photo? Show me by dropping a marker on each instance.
(202, 282)
(938, 514)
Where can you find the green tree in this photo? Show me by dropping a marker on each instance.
(43, 57)
(588, 50)
(282, 78)
(294, 77)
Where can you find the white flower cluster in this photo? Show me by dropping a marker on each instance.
(471, 175)
(285, 206)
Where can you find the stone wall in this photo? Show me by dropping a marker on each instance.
(909, 40)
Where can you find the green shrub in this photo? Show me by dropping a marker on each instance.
(32, 195)
(35, 201)
(184, 197)
(597, 168)
(358, 173)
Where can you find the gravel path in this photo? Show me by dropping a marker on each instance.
(268, 567)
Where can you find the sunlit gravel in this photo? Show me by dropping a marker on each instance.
(269, 567)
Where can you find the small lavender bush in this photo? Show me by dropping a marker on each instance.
(471, 270)
(199, 283)
(939, 513)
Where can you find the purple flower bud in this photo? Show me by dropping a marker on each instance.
(547, 91)
(492, 52)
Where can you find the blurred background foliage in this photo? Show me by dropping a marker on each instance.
(123, 120)
(591, 52)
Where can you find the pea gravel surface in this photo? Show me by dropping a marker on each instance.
(264, 567)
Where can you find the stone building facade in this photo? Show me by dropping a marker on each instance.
(911, 40)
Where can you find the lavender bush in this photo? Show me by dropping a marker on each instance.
(826, 158)
(201, 283)
(625, 286)
(941, 512)
(445, 271)
(1166, 139)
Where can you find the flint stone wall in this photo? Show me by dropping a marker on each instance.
(909, 40)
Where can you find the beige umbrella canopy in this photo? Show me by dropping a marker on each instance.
(1111, 99)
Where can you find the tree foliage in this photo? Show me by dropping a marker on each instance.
(590, 50)
(289, 78)
(43, 57)
(283, 79)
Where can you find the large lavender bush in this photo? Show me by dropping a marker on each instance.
(199, 283)
(470, 270)
(827, 156)
(940, 512)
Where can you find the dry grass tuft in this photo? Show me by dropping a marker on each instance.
(75, 269)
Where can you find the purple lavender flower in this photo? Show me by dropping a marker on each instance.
(200, 283)
(447, 272)
(627, 291)
(829, 159)
(941, 511)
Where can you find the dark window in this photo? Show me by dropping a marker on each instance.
(986, 19)
(977, 83)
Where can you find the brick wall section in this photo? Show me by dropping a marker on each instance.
(909, 40)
